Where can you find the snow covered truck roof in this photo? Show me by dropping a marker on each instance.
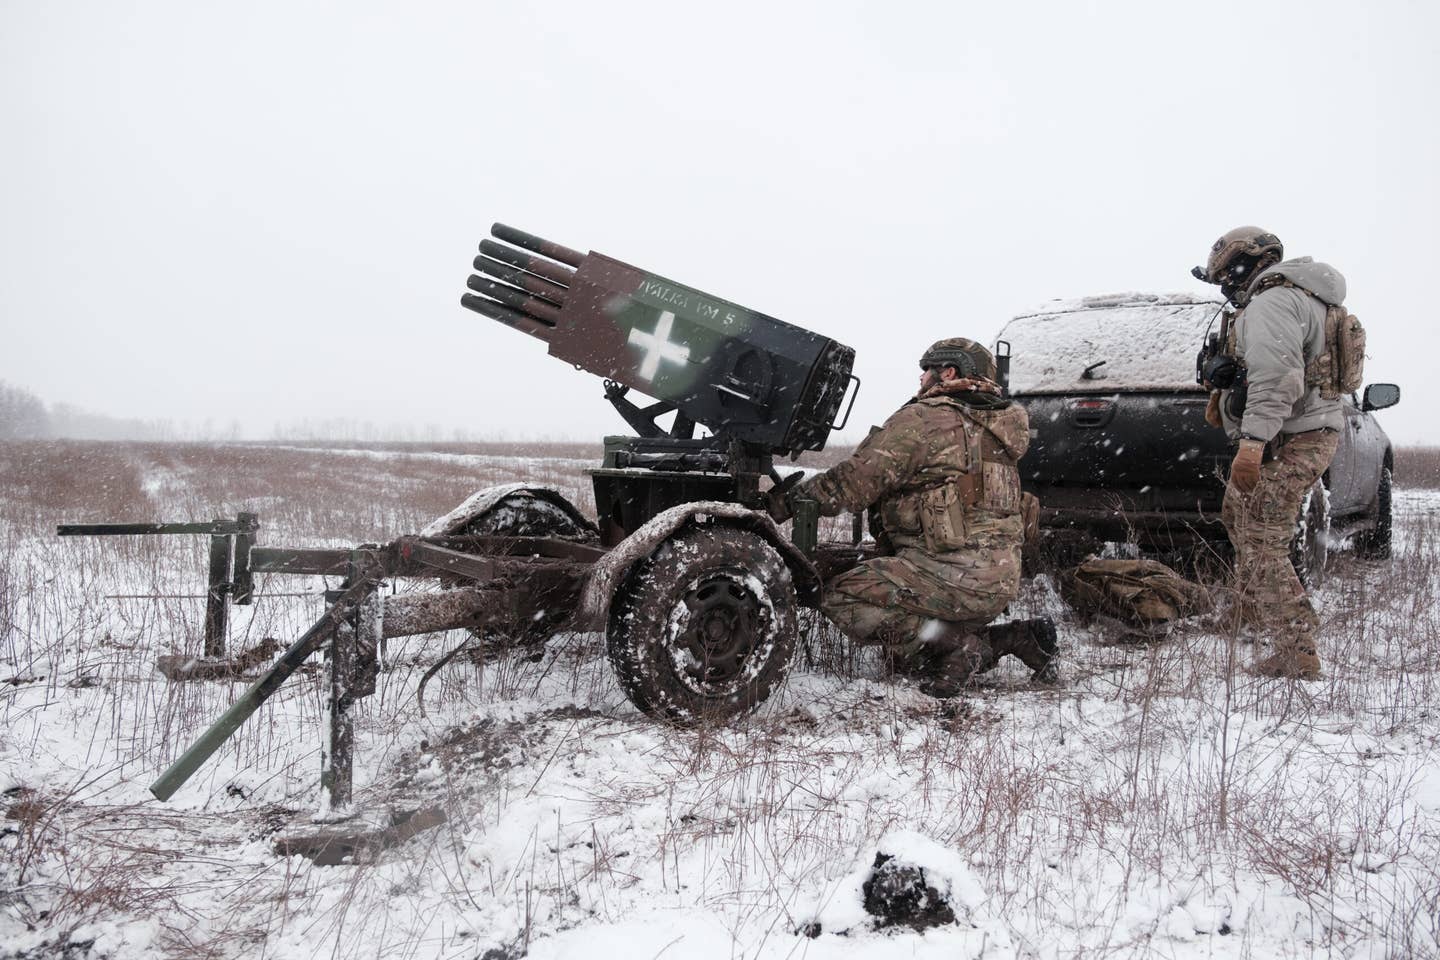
(1147, 341)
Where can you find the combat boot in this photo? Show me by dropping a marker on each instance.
(946, 660)
(1295, 660)
(1033, 642)
(954, 669)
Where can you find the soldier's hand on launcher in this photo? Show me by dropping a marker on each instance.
(777, 498)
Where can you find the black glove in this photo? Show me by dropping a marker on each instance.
(777, 498)
(777, 504)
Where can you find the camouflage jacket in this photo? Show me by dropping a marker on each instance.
(920, 470)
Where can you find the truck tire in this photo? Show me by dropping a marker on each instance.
(1374, 544)
(1309, 547)
(703, 629)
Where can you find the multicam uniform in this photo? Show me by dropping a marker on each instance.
(1278, 332)
(941, 475)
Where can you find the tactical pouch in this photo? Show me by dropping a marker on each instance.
(942, 518)
(901, 515)
(1340, 369)
(1236, 399)
(1000, 491)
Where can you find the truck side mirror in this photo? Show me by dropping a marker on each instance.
(1378, 396)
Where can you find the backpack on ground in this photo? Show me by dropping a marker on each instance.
(1139, 593)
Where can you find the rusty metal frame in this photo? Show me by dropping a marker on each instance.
(505, 574)
(487, 576)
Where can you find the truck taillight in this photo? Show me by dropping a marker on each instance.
(1091, 411)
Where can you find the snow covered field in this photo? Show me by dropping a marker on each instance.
(1162, 803)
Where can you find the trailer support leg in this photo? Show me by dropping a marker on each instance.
(337, 754)
(217, 600)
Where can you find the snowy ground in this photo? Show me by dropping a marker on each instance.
(1162, 803)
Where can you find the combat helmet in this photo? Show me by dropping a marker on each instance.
(1237, 257)
(969, 358)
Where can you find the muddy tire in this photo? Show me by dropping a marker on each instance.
(523, 514)
(703, 629)
(1309, 547)
(1374, 544)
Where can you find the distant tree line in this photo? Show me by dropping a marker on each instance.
(24, 416)
(366, 431)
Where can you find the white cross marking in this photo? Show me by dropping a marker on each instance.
(657, 346)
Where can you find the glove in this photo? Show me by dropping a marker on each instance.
(1245, 468)
(1212, 409)
(777, 504)
(777, 498)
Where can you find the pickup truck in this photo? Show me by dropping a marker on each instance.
(1119, 447)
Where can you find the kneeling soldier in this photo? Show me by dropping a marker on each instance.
(945, 506)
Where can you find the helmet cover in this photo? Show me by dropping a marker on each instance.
(969, 358)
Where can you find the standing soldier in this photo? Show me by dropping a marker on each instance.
(1287, 432)
(940, 476)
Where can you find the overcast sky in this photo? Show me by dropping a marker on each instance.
(266, 212)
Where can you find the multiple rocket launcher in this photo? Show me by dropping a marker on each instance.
(761, 386)
(743, 375)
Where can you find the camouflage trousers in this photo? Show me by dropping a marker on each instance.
(1261, 525)
(890, 600)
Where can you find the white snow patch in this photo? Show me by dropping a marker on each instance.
(1147, 342)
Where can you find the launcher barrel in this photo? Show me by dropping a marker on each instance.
(528, 282)
(743, 375)
(545, 269)
(528, 241)
(515, 299)
(511, 318)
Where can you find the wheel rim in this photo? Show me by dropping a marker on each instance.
(719, 623)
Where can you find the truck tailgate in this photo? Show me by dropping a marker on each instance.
(1149, 451)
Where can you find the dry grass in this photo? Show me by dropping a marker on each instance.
(326, 493)
(1418, 467)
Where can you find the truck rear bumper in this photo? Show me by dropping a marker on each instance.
(1159, 529)
(1161, 519)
